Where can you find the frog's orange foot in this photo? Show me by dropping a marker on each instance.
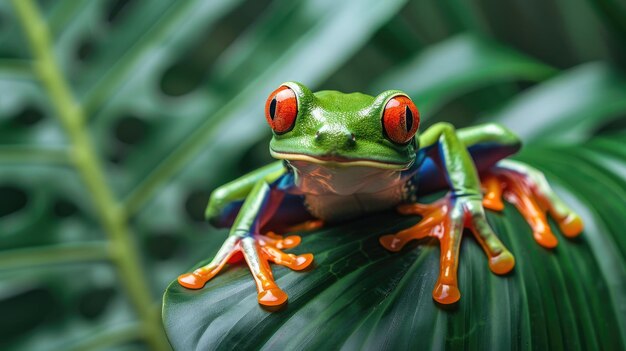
(278, 241)
(306, 226)
(258, 251)
(445, 220)
(531, 194)
(270, 237)
(432, 224)
(195, 279)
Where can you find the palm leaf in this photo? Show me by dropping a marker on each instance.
(598, 96)
(360, 297)
(118, 117)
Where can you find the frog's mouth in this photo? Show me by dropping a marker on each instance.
(330, 160)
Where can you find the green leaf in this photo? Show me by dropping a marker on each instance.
(150, 105)
(360, 296)
(457, 66)
(568, 108)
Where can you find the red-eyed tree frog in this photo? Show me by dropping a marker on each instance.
(341, 156)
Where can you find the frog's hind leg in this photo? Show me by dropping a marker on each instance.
(528, 190)
(486, 143)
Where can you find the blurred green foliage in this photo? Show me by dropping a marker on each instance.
(118, 117)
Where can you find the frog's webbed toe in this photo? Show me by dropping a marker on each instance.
(257, 251)
(528, 190)
(280, 242)
(306, 226)
(199, 277)
(445, 220)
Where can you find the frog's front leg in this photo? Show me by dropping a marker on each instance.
(226, 200)
(446, 218)
(258, 250)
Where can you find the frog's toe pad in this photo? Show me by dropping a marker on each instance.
(278, 241)
(289, 242)
(391, 242)
(493, 203)
(272, 297)
(546, 239)
(502, 263)
(571, 226)
(193, 280)
(301, 262)
(446, 293)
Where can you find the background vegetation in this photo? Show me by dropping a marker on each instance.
(118, 118)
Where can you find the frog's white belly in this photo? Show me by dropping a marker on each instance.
(334, 193)
(333, 207)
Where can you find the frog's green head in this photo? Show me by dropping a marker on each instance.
(337, 129)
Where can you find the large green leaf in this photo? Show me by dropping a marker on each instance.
(168, 99)
(360, 296)
(596, 95)
(457, 66)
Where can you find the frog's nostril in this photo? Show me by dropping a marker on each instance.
(350, 139)
(335, 138)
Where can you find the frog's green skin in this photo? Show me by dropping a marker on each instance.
(336, 163)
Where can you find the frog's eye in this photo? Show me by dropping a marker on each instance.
(400, 119)
(281, 109)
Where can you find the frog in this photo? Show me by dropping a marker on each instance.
(342, 156)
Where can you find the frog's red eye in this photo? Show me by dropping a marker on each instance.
(281, 109)
(400, 119)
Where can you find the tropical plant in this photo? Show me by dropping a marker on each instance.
(117, 118)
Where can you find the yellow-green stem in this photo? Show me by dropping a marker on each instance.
(85, 159)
